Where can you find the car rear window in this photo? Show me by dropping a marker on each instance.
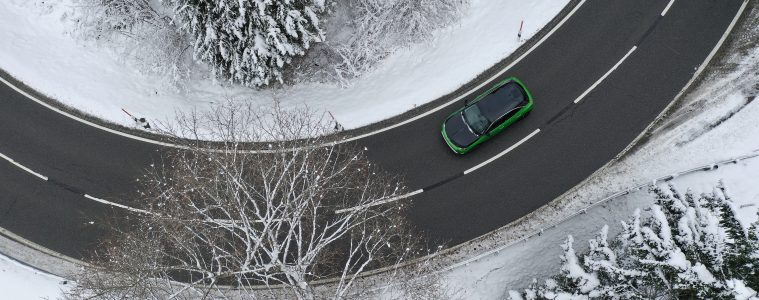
(501, 101)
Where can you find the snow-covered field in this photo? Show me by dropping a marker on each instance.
(21, 282)
(41, 53)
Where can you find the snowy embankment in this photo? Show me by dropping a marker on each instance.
(19, 281)
(41, 52)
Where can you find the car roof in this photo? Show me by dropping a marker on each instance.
(501, 100)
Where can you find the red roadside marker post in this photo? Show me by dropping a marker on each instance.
(138, 121)
(130, 115)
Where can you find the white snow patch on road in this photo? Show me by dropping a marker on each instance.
(39, 52)
(19, 281)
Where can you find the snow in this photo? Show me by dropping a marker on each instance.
(664, 231)
(586, 281)
(22, 282)
(741, 291)
(740, 180)
(45, 56)
(703, 274)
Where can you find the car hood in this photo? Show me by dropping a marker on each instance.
(458, 132)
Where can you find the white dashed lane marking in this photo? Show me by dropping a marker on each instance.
(45, 178)
(393, 199)
(504, 152)
(590, 89)
(22, 167)
(666, 9)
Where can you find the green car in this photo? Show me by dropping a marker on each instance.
(486, 115)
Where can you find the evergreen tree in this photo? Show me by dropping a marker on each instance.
(687, 248)
(752, 275)
(249, 42)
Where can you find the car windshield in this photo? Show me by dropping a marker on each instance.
(475, 119)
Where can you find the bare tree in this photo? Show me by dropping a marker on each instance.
(223, 222)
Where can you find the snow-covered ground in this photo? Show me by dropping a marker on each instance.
(21, 282)
(40, 52)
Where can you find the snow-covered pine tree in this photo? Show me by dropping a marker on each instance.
(689, 247)
(691, 228)
(752, 276)
(249, 42)
(740, 263)
(575, 277)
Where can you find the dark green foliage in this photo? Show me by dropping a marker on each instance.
(249, 42)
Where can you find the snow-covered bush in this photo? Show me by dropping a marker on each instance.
(101, 19)
(140, 31)
(688, 248)
(372, 30)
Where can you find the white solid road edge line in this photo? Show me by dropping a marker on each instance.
(53, 108)
(590, 89)
(22, 167)
(482, 164)
(393, 199)
(666, 9)
(714, 51)
(146, 140)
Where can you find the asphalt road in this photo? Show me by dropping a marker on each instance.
(574, 139)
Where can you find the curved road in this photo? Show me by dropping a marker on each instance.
(598, 81)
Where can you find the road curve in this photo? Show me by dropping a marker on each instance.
(598, 81)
